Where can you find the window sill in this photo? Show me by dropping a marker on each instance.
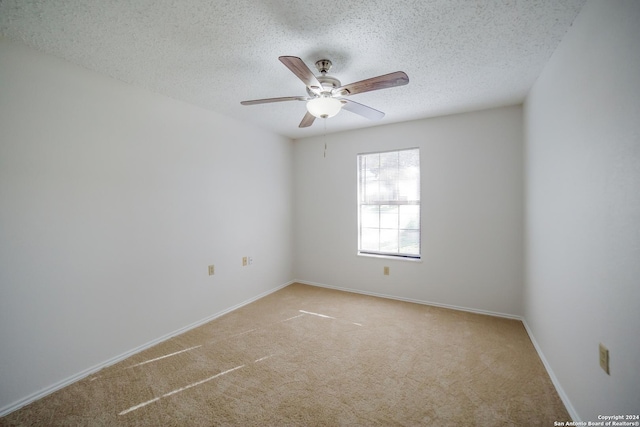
(395, 258)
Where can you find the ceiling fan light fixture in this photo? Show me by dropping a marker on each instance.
(325, 92)
(324, 107)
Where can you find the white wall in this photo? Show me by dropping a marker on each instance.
(472, 211)
(113, 201)
(583, 210)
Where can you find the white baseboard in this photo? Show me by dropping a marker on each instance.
(435, 304)
(80, 375)
(563, 396)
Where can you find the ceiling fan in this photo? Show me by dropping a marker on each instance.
(327, 96)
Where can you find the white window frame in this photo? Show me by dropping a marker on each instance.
(397, 197)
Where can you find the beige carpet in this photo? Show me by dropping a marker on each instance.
(313, 356)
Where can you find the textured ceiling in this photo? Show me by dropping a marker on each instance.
(459, 55)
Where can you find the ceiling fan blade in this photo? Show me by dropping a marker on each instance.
(303, 72)
(307, 120)
(399, 78)
(268, 100)
(363, 110)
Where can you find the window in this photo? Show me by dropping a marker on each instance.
(389, 203)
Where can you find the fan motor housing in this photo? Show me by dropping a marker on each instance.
(328, 84)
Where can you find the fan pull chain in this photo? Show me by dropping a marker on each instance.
(325, 138)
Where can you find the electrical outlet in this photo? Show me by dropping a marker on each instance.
(604, 358)
(211, 270)
(250, 260)
(244, 261)
(386, 271)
